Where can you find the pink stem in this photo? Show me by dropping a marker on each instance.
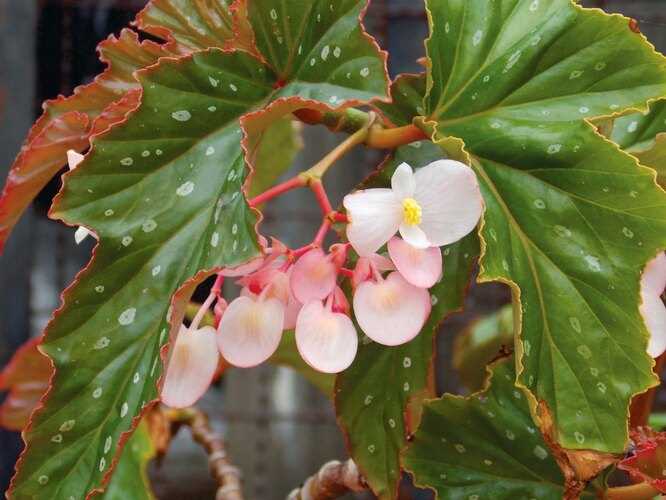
(202, 311)
(321, 234)
(322, 198)
(339, 217)
(276, 191)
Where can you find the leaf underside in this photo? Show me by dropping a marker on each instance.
(570, 220)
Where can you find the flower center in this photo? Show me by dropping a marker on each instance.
(411, 211)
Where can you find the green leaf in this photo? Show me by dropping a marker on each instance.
(480, 343)
(570, 220)
(163, 191)
(287, 355)
(321, 48)
(193, 24)
(277, 148)
(130, 477)
(484, 446)
(378, 399)
(166, 203)
(407, 93)
(644, 136)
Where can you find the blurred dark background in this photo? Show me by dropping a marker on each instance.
(279, 429)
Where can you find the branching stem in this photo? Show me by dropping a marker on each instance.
(226, 474)
(333, 480)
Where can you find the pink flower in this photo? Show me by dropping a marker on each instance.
(420, 267)
(391, 311)
(250, 330)
(313, 276)
(437, 205)
(326, 339)
(653, 283)
(191, 367)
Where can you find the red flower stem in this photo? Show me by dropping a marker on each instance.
(339, 217)
(277, 190)
(346, 272)
(322, 198)
(321, 234)
(202, 310)
(295, 254)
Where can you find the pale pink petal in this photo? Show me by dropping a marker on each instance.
(375, 215)
(415, 236)
(191, 367)
(291, 312)
(74, 159)
(250, 330)
(420, 267)
(326, 340)
(654, 275)
(654, 313)
(403, 182)
(381, 263)
(391, 312)
(243, 269)
(81, 234)
(313, 277)
(450, 200)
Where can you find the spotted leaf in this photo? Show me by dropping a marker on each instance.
(131, 474)
(378, 399)
(163, 193)
(319, 42)
(484, 446)
(480, 343)
(644, 136)
(570, 220)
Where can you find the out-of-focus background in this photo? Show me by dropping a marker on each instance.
(278, 428)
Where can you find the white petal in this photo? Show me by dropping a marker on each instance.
(375, 215)
(653, 280)
(403, 182)
(415, 236)
(73, 159)
(191, 367)
(80, 234)
(654, 314)
(326, 340)
(250, 330)
(450, 200)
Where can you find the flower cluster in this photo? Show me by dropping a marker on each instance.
(300, 289)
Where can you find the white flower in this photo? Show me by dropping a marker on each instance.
(437, 205)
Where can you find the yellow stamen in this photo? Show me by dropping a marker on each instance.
(411, 211)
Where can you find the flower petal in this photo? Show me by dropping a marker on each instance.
(415, 236)
(450, 200)
(81, 234)
(403, 182)
(391, 312)
(250, 330)
(653, 280)
(73, 159)
(243, 269)
(654, 313)
(191, 367)
(313, 277)
(375, 215)
(420, 267)
(326, 340)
